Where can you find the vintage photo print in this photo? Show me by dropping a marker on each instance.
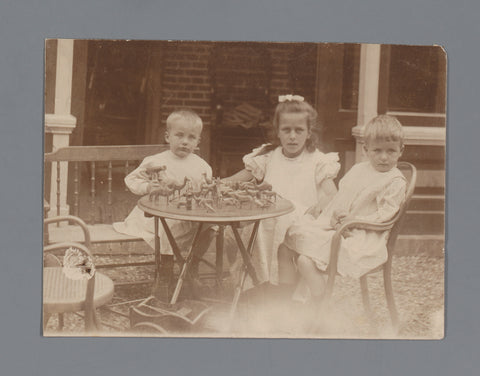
(244, 189)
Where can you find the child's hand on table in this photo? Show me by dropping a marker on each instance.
(152, 186)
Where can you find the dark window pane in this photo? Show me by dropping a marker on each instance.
(417, 79)
(351, 66)
(302, 67)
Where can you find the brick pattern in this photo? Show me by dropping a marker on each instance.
(186, 80)
(280, 79)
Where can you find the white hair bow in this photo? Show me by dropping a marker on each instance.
(290, 97)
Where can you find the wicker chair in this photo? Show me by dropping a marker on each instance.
(393, 225)
(63, 294)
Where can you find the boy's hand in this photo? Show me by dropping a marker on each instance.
(144, 175)
(314, 210)
(338, 217)
(152, 186)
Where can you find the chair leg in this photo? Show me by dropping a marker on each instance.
(90, 312)
(366, 297)
(91, 320)
(60, 321)
(387, 281)
(46, 317)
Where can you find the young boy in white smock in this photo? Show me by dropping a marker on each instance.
(178, 164)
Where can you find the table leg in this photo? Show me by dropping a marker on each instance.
(157, 255)
(163, 270)
(219, 256)
(247, 267)
(246, 253)
(185, 265)
(171, 240)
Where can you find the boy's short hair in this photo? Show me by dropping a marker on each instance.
(384, 128)
(184, 114)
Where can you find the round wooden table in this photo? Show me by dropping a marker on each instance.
(226, 216)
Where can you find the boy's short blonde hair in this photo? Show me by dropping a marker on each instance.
(184, 114)
(384, 128)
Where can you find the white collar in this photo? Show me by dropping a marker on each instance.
(294, 159)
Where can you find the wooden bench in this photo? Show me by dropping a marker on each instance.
(101, 164)
(95, 160)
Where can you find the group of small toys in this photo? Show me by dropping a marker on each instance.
(213, 194)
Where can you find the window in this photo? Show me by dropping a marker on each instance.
(413, 83)
(417, 79)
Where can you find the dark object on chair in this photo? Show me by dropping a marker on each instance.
(393, 225)
(63, 294)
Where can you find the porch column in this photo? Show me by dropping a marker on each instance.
(367, 93)
(61, 123)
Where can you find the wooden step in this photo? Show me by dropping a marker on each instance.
(436, 191)
(423, 222)
(428, 202)
(432, 245)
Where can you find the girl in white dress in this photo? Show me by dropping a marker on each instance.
(297, 172)
(370, 191)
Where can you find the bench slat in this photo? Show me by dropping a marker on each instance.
(104, 153)
(100, 233)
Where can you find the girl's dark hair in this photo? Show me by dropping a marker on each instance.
(296, 107)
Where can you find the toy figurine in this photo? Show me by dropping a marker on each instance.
(213, 194)
(180, 186)
(157, 173)
(188, 199)
(230, 201)
(162, 190)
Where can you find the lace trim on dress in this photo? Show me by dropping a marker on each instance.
(328, 167)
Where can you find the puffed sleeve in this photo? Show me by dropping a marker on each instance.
(327, 167)
(388, 201)
(256, 161)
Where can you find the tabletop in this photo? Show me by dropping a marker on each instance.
(221, 215)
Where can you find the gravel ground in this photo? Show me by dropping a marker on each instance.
(418, 284)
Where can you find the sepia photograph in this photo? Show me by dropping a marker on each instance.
(244, 189)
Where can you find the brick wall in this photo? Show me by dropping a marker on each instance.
(280, 83)
(293, 70)
(186, 80)
(186, 83)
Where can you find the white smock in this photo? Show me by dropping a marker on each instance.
(136, 224)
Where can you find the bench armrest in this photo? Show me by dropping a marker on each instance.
(76, 220)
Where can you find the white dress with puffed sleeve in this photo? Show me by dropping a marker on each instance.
(295, 179)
